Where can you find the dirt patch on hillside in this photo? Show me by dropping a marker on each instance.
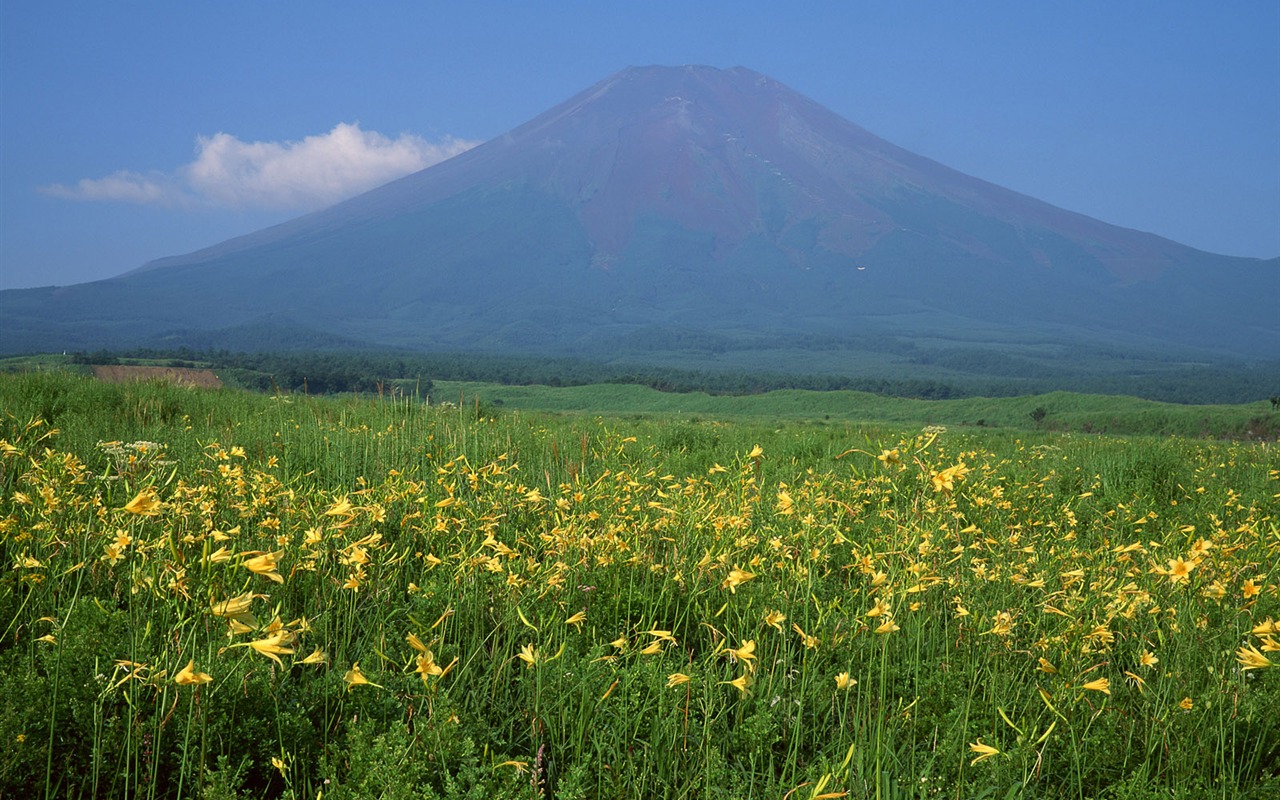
(182, 376)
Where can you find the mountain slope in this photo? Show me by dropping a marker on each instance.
(685, 198)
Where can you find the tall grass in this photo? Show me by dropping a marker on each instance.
(215, 594)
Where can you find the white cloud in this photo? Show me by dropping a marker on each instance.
(311, 173)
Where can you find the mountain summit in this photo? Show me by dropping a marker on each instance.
(674, 201)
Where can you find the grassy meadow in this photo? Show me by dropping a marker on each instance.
(217, 594)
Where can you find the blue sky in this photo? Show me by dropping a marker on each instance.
(132, 131)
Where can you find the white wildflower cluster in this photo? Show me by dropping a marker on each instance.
(130, 459)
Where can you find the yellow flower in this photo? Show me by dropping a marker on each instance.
(879, 608)
(341, 508)
(233, 607)
(1047, 667)
(416, 643)
(746, 653)
(189, 677)
(1251, 658)
(741, 683)
(736, 578)
(265, 565)
(843, 681)
(220, 555)
(577, 619)
(1186, 704)
(1250, 589)
(775, 618)
(1002, 624)
(1100, 685)
(529, 655)
(145, 504)
(756, 452)
(653, 649)
(888, 457)
(427, 666)
(1179, 570)
(1266, 626)
(273, 646)
(317, 657)
(810, 642)
(888, 626)
(354, 677)
(786, 506)
(1148, 659)
(984, 751)
(279, 764)
(676, 678)
(1137, 680)
(944, 481)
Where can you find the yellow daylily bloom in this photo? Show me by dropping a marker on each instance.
(341, 508)
(427, 666)
(736, 578)
(746, 652)
(888, 626)
(354, 677)
(317, 657)
(843, 681)
(145, 504)
(984, 751)
(577, 619)
(529, 655)
(677, 678)
(810, 642)
(1148, 659)
(945, 480)
(188, 676)
(220, 555)
(265, 565)
(1099, 685)
(741, 683)
(416, 643)
(1252, 658)
(775, 618)
(273, 646)
(236, 608)
(1180, 570)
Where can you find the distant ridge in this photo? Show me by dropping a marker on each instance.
(668, 199)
